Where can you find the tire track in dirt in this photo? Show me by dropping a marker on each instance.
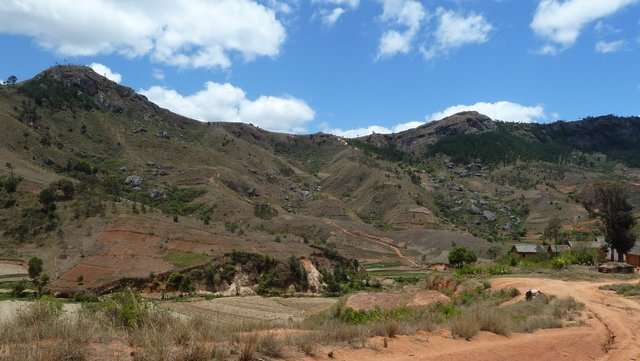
(383, 241)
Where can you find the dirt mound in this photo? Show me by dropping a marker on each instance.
(368, 301)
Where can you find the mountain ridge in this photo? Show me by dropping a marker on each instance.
(212, 188)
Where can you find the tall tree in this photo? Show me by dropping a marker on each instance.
(610, 203)
(552, 230)
(11, 80)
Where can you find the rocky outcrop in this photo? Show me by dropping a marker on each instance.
(314, 277)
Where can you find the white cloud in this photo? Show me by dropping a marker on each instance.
(377, 129)
(157, 74)
(502, 110)
(331, 17)
(561, 22)
(195, 33)
(227, 103)
(106, 72)
(606, 47)
(408, 14)
(456, 30)
(332, 10)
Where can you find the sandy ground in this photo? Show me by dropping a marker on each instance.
(610, 334)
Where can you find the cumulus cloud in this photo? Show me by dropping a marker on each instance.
(227, 103)
(502, 110)
(406, 14)
(606, 47)
(455, 30)
(106, 72)
(195, 33)
(377, 129)
(561, 22)
(157, 74)
(332, 10)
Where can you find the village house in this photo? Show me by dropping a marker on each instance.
(527, 250)
(633, 256)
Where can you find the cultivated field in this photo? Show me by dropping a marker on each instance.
(253, 309)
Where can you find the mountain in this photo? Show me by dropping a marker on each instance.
(469, 135)
(154, 191)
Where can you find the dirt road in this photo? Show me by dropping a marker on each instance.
(610, 334)
(383, 241)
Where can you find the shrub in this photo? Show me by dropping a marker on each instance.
(269, 345)
(125, 309)
(494, 320)
(465, 326)
(460, 256)
(624, 289)
(391, 328)
(35, 267)
(264, 211)
(18, 289)
(10, 183)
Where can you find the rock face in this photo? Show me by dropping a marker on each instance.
(314, 277)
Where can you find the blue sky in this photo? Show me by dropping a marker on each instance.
(348, 67)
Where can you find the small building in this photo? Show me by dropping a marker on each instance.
(633, 256)
(556, 249)
(526, 250)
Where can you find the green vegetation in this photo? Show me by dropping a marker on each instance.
(624, 289)
(45, 91)
(610, 203)
(180, 282)
(388, 152)
(498, 147)
(471, 311)
(264, 211)
(182, 259)
(176, 200)
(460, 256)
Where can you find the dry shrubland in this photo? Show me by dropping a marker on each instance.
(42, 331)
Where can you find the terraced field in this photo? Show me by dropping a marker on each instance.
(252, 309)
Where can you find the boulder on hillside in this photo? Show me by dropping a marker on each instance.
(134, 181)
(489, 216)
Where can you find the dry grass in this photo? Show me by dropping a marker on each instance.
(42, 332)
(465, 326)
(306, 343)
(270, 345)
(248, 349)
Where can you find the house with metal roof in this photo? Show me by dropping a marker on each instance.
(525, 250)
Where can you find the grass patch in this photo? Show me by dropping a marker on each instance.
(627, 290)
(183, 259)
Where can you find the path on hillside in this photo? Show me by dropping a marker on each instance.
(383, 241)
(610, 334)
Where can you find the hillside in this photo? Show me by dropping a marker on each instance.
(155, 191)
